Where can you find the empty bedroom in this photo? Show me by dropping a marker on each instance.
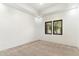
(39, 29)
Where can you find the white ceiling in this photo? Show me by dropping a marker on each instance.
(41, 6)
(36, 9)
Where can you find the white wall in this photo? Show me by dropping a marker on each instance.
(16, 27)
(39, 26)
(70, 27)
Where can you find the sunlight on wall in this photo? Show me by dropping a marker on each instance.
(42, 3)
(38, 19)
(2, 7)
(73, 11)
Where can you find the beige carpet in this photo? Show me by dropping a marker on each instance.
(41, 48)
